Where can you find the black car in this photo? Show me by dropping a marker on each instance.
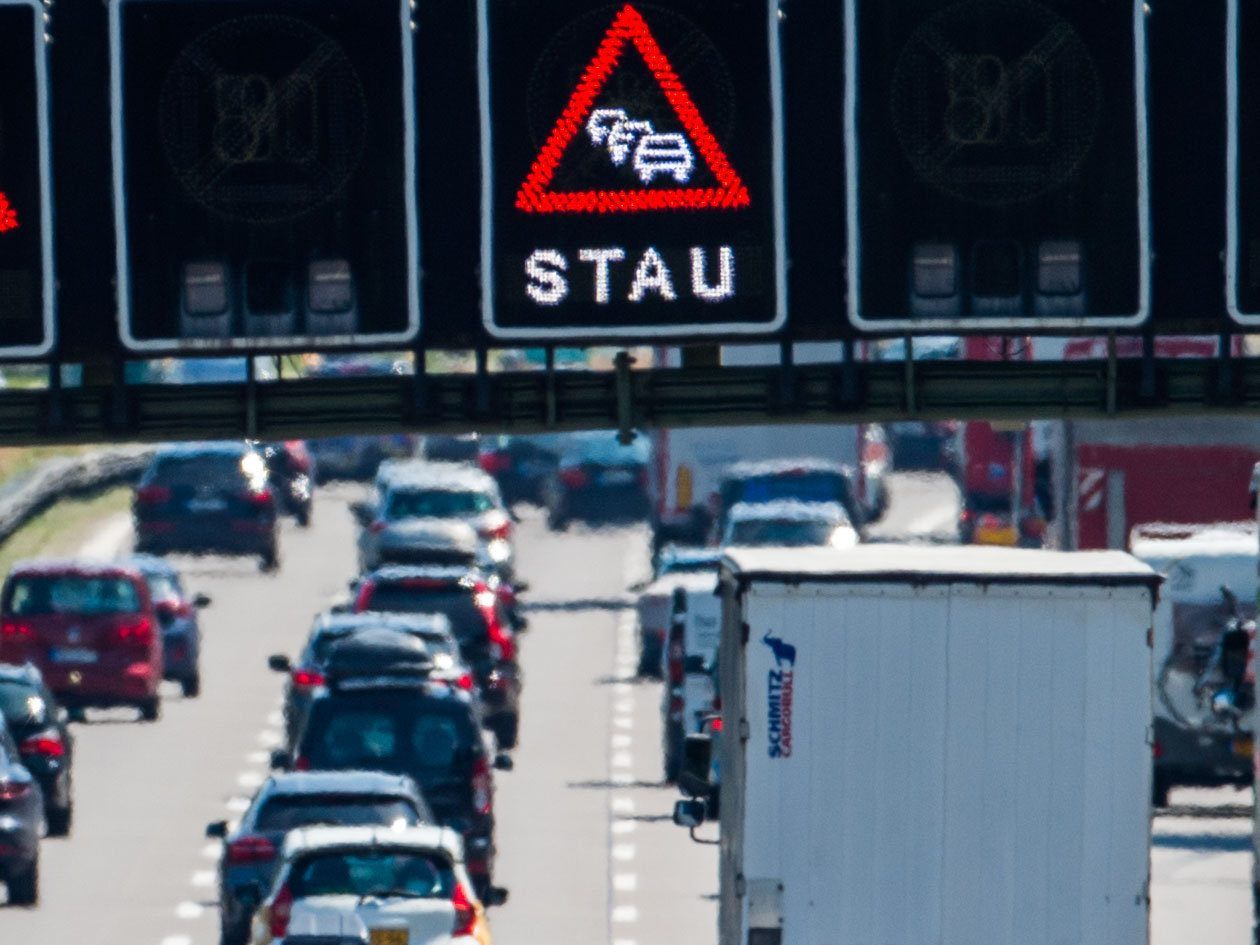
(520, 464)
(598, 480)
(21, 822)
(425, 729)
(44, 744)
(290, 801)
(476, 606)
(207, 498)
(307, 676)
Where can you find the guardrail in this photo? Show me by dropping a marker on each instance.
(61, 477)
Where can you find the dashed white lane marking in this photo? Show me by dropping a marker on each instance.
(238, 805)
(623, 852)
(624, 705)
(625, 882)
(623, 759)
(269, 738)
(621, 741)
(623, 805)
(177, 940)
(257, 757)
(623, 721)
(203, 878)
(212, 851)
(623, 689)
(189, 910)
(275, 718)
(623, 941)
(250, 779)
(625, 914)
(622, 827)
(621, 778)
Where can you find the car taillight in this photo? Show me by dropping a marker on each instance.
(574, 478)
(500, 637)
(465, 912)
(250, 850)
(465, 682)
(261, 498)
(1157, 751)
(715, 725)
(500, 532)
(966, 516)
(139, 632)
(307, 678)
(152, 495)
(363, 600)
(46, 744)
(301, 763)
(495, 462)
(280, 911)
(15, 631)
(990, 521)
(377, 527)
(676, 657)
(482, 787)
(13, 790)
(641, 477)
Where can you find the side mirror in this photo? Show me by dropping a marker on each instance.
(201, 600)
(694, 664)
(281, 759)
(693, 780)
(279, 663)
(217, 830)
(513, 516)
(689, 814)
(341, 607)
(494, 896)
(520, 586)
(503, 762)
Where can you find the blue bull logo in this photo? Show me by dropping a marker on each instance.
(784, 653)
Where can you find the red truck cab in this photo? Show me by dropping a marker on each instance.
(89, 627)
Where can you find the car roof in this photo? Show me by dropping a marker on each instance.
(151, 564)
(331, 622)
(203, 448)
(437, 572)
(428, 474)
(686, 554)
(779, 467)
(339, 782)
(1221, 539)
(27, 674)
(313, 839)
(81, 567)
(788, 510)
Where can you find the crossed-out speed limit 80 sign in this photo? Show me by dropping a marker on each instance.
(632, 178)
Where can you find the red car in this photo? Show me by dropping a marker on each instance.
(91, 630)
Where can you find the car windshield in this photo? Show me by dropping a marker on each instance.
(780, 532)
(372, 871)
(412, 735)
(21, 704)
(206, 469)
(436, 503)
(284, 812)
(603, 449)
(803, 487)
(40, 595)
(163, 586)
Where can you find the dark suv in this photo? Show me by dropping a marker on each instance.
(428, 730)
(207, 498)
(474, 603)
(38, 726)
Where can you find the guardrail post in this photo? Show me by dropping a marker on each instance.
(549, 386)
(625, 398)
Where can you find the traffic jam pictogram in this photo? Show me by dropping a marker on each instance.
(653, 204)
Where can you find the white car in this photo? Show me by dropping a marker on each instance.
(788, 523)
(377, 885)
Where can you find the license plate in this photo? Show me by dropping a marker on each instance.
(1243, 747)
(389, 937)
(207, 505)
(73, 655)
(996, 536)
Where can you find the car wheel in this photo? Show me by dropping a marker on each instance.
(150, 709)
(192, 685)
(557, 521)
(59, 820)
(1159, 790)
(304, 517)
(507, 730)
(77, 714)
(233, 934)
(269, 560)
(24, 886)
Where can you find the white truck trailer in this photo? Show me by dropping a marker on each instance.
(933, 746)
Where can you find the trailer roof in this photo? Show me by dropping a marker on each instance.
(937, 564)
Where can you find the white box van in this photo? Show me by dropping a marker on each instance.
(691, 649)
(934, 746)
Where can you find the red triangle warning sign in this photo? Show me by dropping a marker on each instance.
(633, 143)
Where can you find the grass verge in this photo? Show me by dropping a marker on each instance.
(63, 527)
